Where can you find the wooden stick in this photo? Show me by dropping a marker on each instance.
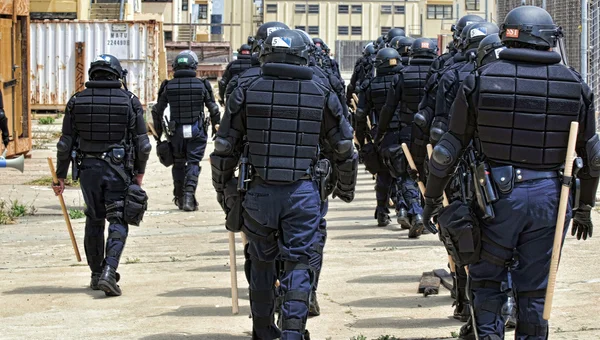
(235, 308)
(560, 222)
(64, 211)
(445, 203)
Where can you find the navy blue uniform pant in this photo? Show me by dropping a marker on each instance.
(281, 222)
(384, 181)
(187, 155)
(316, 258)
(102, 186)
(407, 194)
(525, 223)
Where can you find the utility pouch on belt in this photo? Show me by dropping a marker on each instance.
(322, 170)
(117, 156)
(164, 152)
(460, 231)
(136, 203)
(504, 178)
(76, 165)
(233, 201)
(371, 158)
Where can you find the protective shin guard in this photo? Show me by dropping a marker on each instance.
(530, 323)
(117, 235)
(262, 299)
(296, 285)
(93, 243)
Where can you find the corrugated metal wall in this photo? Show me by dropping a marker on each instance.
(54, 65)
(566, 13)
(348, 52)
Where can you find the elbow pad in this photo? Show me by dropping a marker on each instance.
(347, 172)
(592, 149)
(344, 148)
(64, 147)
(438, 128)
(143, 147)
(213, 108)
(445, 154)
(222, 168)
(223, 146)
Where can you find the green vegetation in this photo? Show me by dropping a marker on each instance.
(132, 260)
(76, 213)
(47, 181)
(46, 120)
(10, 210)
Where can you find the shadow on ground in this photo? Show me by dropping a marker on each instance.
(374, 279)
(178, 336)
(218, 268)
(200, 292)
(207, 311)
(399, 323)
(51, 290)
(417, 301)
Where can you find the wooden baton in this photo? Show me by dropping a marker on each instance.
(560, 222)
(235, 307)
(64, 210)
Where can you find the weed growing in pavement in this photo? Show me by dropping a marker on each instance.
(359, 337)
(10, 210)
(76, 213)
(47, 181)
(454, 334)
(174, 259)
(46, 120)
(132, 260)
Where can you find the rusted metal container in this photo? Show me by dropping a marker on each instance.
(61, 52)
(14, 73)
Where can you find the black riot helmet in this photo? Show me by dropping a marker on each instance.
(319, 42)
(464, 22)
(185, 60)
(394, 32)
(489, 49)
(424, 48)
(379, 40)
(284, 46)
(529, 26)
(106, 65)
(402, 45)
(250, 40)
(264, 31)
(307, 40)
(387, 57)
(245, 49)
(474, 33)
(369, 50)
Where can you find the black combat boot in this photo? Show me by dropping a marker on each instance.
(178, 194)
(383, 219)
(462, 311)
(189, 201)
(108, 281)
(313, 308)
(417, 226)
(94, 281)
(403, 219)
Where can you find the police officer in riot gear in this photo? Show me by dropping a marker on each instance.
(449, 83)
(282, 201)
(104, 126)
(517, 113)
(261, 35)
(403, 45)
(187, 96)
(405, 93)
(3, 123)
(393, 33)
(241, 64)
(370, 104)
(363, 68)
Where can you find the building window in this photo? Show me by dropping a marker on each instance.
(157, 0)
(439, 11)
(300, 28)
(313, 9)
(356, 30)
(356, 9)
(313, 30)
(202, 11)
(168, 36)
(472, 5)
(386, 9)
(184, 5)
(399, 10)
(342, 9)
(385, 30)
(272, 8)
(300, 8)
(342, 30)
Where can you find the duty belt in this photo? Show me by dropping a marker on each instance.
(106, 156)
(524, 175)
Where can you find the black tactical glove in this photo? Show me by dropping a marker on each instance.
(582, 222)
(5, 140)
(432, 208)
(414, 174)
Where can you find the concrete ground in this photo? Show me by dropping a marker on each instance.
(176, 280)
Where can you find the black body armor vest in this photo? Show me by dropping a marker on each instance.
(525, 110)
(283, 121)
(413, 88)
(185, 93)
(101, 116)
(378, 90)
(241, 64)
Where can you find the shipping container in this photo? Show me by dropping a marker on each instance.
(14, 73)
(61, 52)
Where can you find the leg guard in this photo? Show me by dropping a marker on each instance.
(192, 171)
(412, 197)
(530, 323)
(296, 284)
(117, 235)
(93, 243)
(488, 302)
(262, 299)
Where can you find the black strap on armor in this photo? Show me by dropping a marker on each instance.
(262, 321)
(524, 175)
(318, 248)
(486, 255)
(289, 266)
(493, 306)
(532, 329)
(294, 324)
(115, 210)
(106, 157)
(532, 294)
(115, 235)
(486, 284)
(296, 295)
